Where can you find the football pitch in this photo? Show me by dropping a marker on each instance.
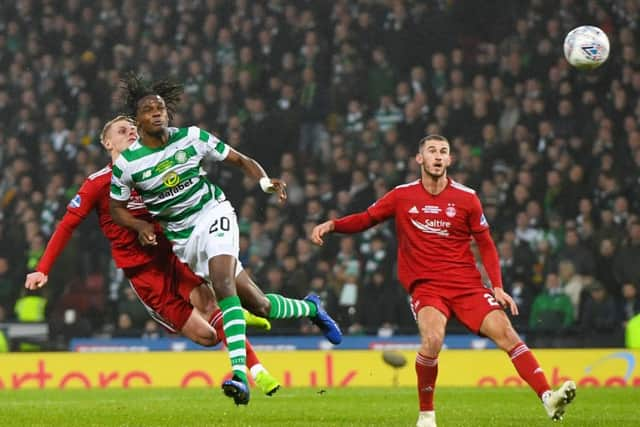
(309, 407)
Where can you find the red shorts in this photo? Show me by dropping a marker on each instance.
(164, 285)
(469, 304)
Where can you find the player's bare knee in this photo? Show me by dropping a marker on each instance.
(506, 337)
(431, 343)
(223, 284)
(208, 308)
(206, 337)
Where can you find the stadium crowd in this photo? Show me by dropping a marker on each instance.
(333, 97)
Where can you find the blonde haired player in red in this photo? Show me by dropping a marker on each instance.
(172, 294)
(435, 219)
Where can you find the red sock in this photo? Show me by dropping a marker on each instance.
(216, 322)
(427, 372)
(252, 357)
(528, 368)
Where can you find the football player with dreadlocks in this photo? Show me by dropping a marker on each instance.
(164, 168)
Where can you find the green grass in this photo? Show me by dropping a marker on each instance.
(307, 407)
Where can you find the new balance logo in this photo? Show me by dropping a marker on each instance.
(538, 371)
(413, 210)
(427, 389)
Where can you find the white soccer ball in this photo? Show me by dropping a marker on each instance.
(586, 47)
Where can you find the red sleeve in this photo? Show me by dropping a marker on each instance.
(77, 210)
(384, 208)
(489, 256)
(477, 222)
(377, 212)
(353, 223)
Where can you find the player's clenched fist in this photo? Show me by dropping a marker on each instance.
(35, 280)
(320, 230)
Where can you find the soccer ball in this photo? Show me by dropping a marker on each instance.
(586, 47)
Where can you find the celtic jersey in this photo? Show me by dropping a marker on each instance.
(169, 179)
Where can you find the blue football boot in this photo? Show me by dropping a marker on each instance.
(322, 320)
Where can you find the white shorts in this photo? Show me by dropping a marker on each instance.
(216, 233)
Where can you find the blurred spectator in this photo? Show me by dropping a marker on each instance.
(604, 268)
(626, 265)
(629, 302)
(577, 253)
(552, 311)
(571, 283)
(599, 318)
(125, 327)
(374, 310)
(7, 287)
(130, 304)
(151, 330)
(327, 96)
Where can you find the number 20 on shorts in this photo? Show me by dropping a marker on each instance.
(220, 224)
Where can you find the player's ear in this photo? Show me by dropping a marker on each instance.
(419, 158)
(106, 143)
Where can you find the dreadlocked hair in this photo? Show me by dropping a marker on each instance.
(135, 88)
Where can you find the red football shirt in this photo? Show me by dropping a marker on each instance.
(94, 196)
(434, 232)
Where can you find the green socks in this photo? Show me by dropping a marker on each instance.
(235, 329)
(288, 308)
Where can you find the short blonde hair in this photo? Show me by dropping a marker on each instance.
(110, 123)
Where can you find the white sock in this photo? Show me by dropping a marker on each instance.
(256, 369)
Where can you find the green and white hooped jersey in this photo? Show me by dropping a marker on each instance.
(169, 179)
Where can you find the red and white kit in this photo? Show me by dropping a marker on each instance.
(160, 280)
(435, 262)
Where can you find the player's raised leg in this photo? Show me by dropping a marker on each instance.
(276, 306)
(497, 327)
(431, 324)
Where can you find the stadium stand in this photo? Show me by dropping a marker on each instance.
(333, 97)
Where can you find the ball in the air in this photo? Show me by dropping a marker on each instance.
(586, 47)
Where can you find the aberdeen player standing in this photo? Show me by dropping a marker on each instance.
(165, 286)
(435, 220)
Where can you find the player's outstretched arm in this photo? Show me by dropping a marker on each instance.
(122, 216)
(78, 209)
(349, 224)
(253, 169)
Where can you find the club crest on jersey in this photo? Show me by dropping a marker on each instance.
(75, 202)
(180, 156)
(171, 179)
(450, 211)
